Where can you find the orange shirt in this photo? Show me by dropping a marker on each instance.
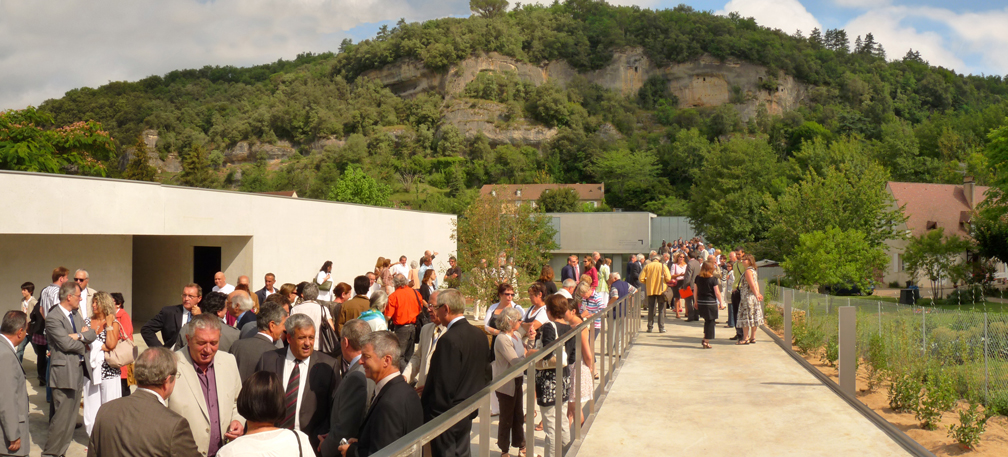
(403, 306)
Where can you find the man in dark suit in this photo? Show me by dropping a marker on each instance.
(14, 388)
(633, 270)
(249, 351)
(351, 400)
(69, 365)
(395, 411)
(141, 424)
(214, 303)
(692, 270)
(171, 318)
(570, 271)
(241, 308)
(267, 290)
(311, 377)
(457, 371)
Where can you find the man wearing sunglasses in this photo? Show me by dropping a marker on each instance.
(82, 278)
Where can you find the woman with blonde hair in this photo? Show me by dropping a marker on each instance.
(386, 276)
(750, 313)
(104, 384)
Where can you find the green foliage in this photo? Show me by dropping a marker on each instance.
(774, 318)
(655, 91)
(939, 395)
(549, 105)
(139, 167)
(29, 142)
(878, 360)
(832, 352)
(488, 8)
(972, 424)
(668, 205)
(631, 178)
(834, 257)
(808, 336)
(934, 256)
(905, 392)
(499, 87)
(196, 170)
(355, 186)
(562, 200)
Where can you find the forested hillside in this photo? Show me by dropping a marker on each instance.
(741, 176)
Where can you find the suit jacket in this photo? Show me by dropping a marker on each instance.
(418, 367)
(692, 270)
(168, 322)
(568, 272)
(348, 408)
(228, 336)
(261, 295)
(248, 351)
(13, 400)
(140, 425)
(317, 399)
(633, 272)
(65, 361)
(187, 399)
(248, 318)
(458, 368)
(395, 412)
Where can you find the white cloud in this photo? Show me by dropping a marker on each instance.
(47, 48)
(861, 3)
(787, 15)
(886, 26)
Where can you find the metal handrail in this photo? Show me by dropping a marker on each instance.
(624, 311)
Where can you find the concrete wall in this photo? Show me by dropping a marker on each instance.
(607, 233)
(670, 229)
(257, 233)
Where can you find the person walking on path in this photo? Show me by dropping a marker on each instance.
(708, 300)
(655, 276)
(750, 312)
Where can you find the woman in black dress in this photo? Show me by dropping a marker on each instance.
(708, 299)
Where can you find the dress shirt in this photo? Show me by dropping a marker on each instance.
(227, 289)
(239, 318)
(186, 316)
(155, 394)
(453, 321)
(208, 384)
(24, 307)
(303, 369)
(385, 380)
(11, 343)
(69, 315)
(400, 269)
(84, 296)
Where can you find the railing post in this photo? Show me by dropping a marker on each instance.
(530, 407)
(577, 386)
(603, 348)
(848, 349)
(484, 429)
(558, 403)
(787, 316)
(986, 369)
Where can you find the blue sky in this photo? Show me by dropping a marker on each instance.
(48, 48)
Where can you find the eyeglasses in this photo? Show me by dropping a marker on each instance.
(508, 295)
(80, 279)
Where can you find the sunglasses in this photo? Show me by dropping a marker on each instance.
(80, 279)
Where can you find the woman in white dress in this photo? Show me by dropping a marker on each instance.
(104, 385)
(325, 282)
(261, 403)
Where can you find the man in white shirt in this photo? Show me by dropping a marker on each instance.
(268, 289)
(401, 267)
(87, 294)
(567, 288)
(221, 285)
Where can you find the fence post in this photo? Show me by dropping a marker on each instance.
(559, 411)
(530, 405)
(787, 317)
(986, 370)
(923, 331)
(847, 345)
(578, 366)
(484, 428)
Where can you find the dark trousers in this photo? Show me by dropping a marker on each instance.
(511, 426)
(691, 311)
(655, 303)
(41, 362)
(736, 298)
(125, 388)
(405, 333)
(454, 442)
(708, 329)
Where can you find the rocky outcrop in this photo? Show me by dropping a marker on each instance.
(243, 152)
(481, 116)
(701, 83)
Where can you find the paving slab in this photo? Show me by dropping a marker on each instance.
(672, 397)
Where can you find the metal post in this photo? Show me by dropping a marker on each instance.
(923, 331)
(558, 403)
(530, 406)
(484, 429)
(787, 317)
(848, 351)
(879, 318)
(577, 385)
(986, 370)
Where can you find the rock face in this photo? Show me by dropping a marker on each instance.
(242, 152)
(473, 117)
(702, 83)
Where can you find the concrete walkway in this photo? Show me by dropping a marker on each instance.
(673, 398)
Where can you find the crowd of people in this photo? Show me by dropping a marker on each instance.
(330, 368)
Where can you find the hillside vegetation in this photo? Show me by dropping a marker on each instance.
(741, 178)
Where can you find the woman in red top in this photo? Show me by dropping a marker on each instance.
(127, 331)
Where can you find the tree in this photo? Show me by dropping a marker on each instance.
(935, 257)
(355, 186)
(835, 257)
(490, 226)
(488, 8)
(139, 167)
(196, 169)
(559, 200)
(27, 143)
(631, 178)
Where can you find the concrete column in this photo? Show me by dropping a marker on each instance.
(848, 349)
(788, 296)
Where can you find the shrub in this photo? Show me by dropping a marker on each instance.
(939, 396)
(774, 318)
(808, 337)
(832, 352)
(905, 392)
(878, 360)
(971, 425)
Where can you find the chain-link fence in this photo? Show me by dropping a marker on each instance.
(895, 338)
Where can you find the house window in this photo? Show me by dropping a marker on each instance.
(899, 262)
(518, 193)
(493, 193)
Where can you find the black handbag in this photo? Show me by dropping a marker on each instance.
(36, 324)
(328, 341)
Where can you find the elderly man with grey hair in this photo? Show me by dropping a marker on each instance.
(209, 383)
(310, 378)
(241, 308)
(350, 402)
(310, 307)
(404, 305)
(567, 288)
(418, 365)
(141, 424)
(395, 410)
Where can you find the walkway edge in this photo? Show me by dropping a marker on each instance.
(897, 435)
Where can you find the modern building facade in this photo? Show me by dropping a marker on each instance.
(147, 240)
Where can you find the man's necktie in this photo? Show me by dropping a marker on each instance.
(292, 395)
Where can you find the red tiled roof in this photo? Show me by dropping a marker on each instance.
(533, 191)
(941, 205)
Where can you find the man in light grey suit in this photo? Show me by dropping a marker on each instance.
(350, 403)
(69, 365)
(13, 386)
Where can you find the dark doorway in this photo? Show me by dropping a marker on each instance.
(206, 263)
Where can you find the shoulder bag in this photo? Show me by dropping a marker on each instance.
(328, 341)
(550, 363)
(123, 354)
